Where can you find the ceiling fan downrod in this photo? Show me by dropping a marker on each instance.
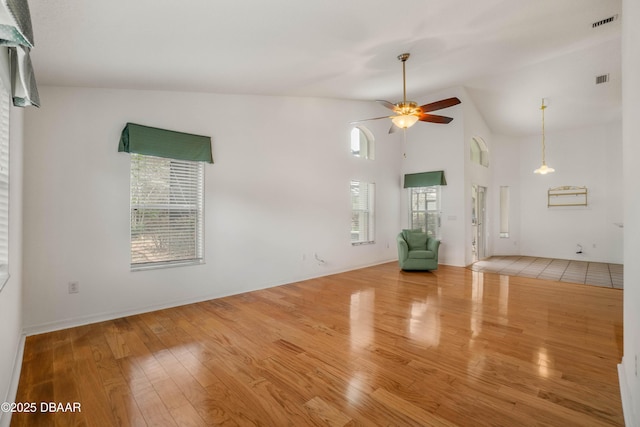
(403, 57)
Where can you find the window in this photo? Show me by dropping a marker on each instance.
(5, 101)
(504, 212)
(479, 152)
(362, 212)
(362, 143)
(425, 209)
(166, 211)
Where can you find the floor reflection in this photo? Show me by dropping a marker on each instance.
(361, 318)
(477, 294)
(544, 362)
(354, 388)
(503, 298)
(476, 361)
(424, 320)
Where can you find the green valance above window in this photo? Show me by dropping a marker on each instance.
(424, 179)
(152, 141)
(16, 33)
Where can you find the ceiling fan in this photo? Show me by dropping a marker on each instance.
(407, 113)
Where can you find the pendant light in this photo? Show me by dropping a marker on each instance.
(544, 169)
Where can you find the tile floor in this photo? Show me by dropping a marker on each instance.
(588, 273)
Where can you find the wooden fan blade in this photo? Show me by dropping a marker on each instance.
(439, 105)
(387, 104)
(366, 120)
(433, 118)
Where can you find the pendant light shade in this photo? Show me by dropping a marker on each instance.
(544, 169)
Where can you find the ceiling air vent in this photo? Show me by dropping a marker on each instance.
(604, 78)
(604, 21)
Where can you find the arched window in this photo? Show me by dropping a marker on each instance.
(362, 143)
(479, 151)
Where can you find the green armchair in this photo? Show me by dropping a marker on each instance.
(417, 251)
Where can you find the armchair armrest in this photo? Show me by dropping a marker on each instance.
(403, 248)
(433, 244)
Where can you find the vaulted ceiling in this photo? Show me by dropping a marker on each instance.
(508, 54)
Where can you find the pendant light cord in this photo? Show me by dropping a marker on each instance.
(543, 144)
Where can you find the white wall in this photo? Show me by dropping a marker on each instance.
(277, 195)
(628, 369)
(590, 157)
(430, 147)
(11, 295)
(505, 155)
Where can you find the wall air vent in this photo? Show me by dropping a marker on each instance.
(604, 78)
(604, 21)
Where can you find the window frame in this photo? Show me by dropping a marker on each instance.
(505, 198)
(183, 176)
(365, 213)
(479, 152)
(361, 134)
(436, 191)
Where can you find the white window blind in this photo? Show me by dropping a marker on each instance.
(166, 211)
(362, 212)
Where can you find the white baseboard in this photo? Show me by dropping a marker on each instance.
(5, 417)
(630, 416)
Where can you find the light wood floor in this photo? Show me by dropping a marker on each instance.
(375, 346)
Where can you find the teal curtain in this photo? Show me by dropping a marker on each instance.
(170, 144)
(424, 179)
(17, 34)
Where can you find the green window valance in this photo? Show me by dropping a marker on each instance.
(170, 144)
(424, 179)
(16, 33)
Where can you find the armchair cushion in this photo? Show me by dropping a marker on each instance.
(418, 254)
(416, 239)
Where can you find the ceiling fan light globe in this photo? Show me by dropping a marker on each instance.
(404, 121)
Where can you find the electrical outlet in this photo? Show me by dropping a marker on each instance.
(74, 287)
